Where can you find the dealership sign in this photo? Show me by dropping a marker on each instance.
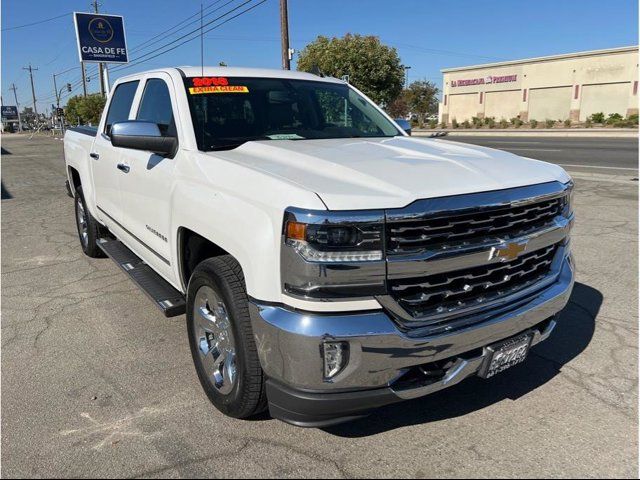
(485, 80)
(9, 113)
(101, 38)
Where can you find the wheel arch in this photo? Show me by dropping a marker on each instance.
(193, 248)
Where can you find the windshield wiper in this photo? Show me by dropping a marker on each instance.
(232, 145)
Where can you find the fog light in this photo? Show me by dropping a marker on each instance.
(336, 356)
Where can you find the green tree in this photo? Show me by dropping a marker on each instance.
(85, 109)
(399, 108)
(422, 98)
(373, 68)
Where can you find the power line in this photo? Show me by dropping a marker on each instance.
(36, 23)
(199, 29)
(136, 62)
(168, 32)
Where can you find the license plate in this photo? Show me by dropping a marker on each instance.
(506, 354)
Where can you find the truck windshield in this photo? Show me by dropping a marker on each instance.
(229, 111)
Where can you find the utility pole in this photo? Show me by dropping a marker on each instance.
(84, 79)
(284, 32)
(13, 87)
(33, 90)
(406, 77)
(55, 90)
(95, 5)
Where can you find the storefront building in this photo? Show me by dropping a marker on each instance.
(571, 86)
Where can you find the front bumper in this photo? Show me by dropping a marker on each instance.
(380, 354)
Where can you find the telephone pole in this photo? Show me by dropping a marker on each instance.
(84, 79)
(15, 95)
(33, 90)
(284, 32)
(95, 5)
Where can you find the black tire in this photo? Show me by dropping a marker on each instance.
(89, 238)
(247, 397)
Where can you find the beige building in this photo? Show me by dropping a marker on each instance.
(558, 87)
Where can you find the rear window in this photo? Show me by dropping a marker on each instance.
(120, 104)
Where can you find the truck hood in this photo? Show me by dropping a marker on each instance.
(353, 174)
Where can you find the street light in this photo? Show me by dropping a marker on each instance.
(406, 76)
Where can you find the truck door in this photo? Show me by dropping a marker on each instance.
(105, 158)
(147, 188)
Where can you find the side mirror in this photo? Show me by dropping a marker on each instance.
(140, 135)
(404, 124)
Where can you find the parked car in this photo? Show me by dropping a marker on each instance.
(327, 263)
(404, 125)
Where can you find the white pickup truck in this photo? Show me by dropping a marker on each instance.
(327, 263)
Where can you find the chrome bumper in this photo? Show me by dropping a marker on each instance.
(289, 343)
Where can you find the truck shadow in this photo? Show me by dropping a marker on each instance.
(5, 193)
(576, 326)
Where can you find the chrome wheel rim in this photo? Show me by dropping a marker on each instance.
(81, 218)
(214, 339)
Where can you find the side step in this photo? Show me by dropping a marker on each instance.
(166, 298)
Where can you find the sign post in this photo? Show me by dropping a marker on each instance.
(101, 39)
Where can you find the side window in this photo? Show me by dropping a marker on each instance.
(120, 104)
(155, 106)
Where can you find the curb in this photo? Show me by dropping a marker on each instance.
(541, 132)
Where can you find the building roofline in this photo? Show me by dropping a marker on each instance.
(605, 51)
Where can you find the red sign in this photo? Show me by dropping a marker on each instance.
(485, 80)
(209, 81)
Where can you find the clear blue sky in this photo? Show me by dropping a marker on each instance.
(428, 35)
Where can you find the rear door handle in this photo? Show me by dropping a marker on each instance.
(124, 167)
(94, 155)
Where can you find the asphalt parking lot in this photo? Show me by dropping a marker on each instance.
(97, 383)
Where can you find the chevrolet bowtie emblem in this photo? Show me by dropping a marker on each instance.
(507, 252)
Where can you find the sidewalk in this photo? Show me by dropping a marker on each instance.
(529, 132)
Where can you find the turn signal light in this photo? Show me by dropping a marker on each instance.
(296, 231)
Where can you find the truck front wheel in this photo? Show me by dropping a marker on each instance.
(88, 227)
(221, 338)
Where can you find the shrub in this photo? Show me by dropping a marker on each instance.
(443, 125)
(516, 122)
(567, 123)
(634, 119)
(433, 124)
(477, 122)
(490, 122)
(504, 123)
(597, 117)
(454, 123)
(466, 124)
(614, 118)
(588, 123)
(549, 123)
(534, 123)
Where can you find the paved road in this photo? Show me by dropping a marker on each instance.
(96, 382)
(605, 155)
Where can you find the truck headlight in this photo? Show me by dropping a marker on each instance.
(333, 254)
(568, 205)
(334, 243)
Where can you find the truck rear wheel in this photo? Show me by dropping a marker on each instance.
(221, 338)
(88, 227)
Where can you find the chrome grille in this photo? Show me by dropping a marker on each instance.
(439, 297)
(477, 225)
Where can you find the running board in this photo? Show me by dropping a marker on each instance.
(166, 298)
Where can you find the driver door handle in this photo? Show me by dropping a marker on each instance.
(94, 155)
(124, 167)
